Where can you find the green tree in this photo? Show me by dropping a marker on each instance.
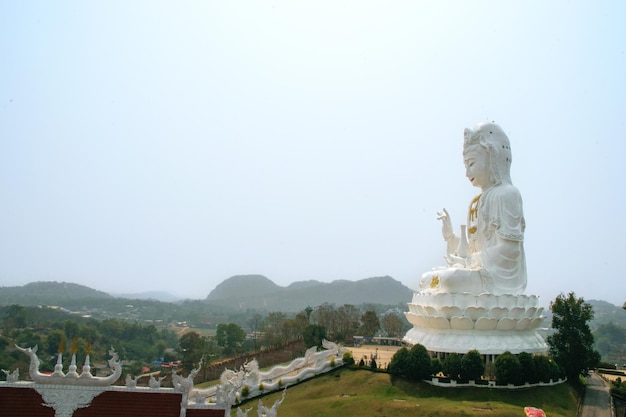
(255, 322)
(451, 366)
(435, 366)
(399, 364)
(609, 341)
(300, 322)
(325, 315)
(419, 363)
(472, 366)
(529, 371)
(393, 325)
(71, 329)
(16, 317)
(191, 346)
(53, 341)
(230, 337)
(571, 345)
(313, 335)
(508, 369)
(543, 368)
(369, 323)
(273, 331)
(347, 322)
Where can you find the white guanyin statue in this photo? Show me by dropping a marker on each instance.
(488, 257)
(477, 300)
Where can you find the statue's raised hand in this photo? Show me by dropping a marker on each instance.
(446, 224)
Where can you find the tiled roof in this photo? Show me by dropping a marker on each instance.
(133, 404)
(20, 402)
(16, 401)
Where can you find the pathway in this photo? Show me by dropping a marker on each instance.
(597, 401)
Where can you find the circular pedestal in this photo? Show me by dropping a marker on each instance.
(488, 323)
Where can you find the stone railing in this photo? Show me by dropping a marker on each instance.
(491, 384)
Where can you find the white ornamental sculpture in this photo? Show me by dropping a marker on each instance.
(477, 300)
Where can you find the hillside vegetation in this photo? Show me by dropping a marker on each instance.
(259, 292)
(361, 393)
(49, 293)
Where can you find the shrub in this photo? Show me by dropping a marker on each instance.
(348, 359)
(472, 367)
(508, 369)
(245, 391)
(435, 366)
(399, 363)
(529, 371)
(543, 368)
(261, 387)
(280, 383)
(419, 363)
(332, 362)
(451, 366)
(619, 390)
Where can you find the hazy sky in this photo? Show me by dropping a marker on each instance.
(152, 145)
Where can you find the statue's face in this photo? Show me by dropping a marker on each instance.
(478, 167)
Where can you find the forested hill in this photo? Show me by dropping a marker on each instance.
(48, 293)
(259, 292)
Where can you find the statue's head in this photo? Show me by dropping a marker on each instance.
(490, 138)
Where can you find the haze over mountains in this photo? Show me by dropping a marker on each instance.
(240, 292)
(257, 291)
(254, 292)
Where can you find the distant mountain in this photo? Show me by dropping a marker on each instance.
(243, 286)
(151, 295)
(604, 313)
(48, 293)
(303, 284)
(259, 292)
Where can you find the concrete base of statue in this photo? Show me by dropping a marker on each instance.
(491, 324)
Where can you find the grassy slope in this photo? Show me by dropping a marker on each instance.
(362, 393)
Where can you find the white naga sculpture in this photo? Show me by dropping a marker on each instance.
(477, 300)
(263, 411)
(72, 377)
(249, 381)
(12, 376)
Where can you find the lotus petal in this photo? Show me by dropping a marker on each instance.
(450, 311)
(535, 323)
(486, 323)
(507, 301)
(516, 312)
(439, 322)
(522, 324)
(461, 323)
(444, 299)
(475, 312)
(506, 323)
(431, 311)
(488, 301)
(464, 300)
(498, 312)
(533, 300)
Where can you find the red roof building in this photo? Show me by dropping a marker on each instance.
(25, 399)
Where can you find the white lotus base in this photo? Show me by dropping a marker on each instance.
(487, 343)
(491, 324)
